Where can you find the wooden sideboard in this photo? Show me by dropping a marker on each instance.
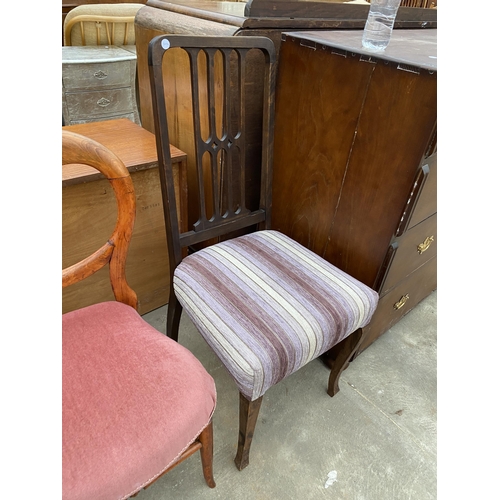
(355, 160)
(89, 207)
(226, 18)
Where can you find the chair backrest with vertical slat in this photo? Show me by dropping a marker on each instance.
(219, 80)
(101, 24)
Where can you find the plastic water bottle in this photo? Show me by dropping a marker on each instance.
(378, 27)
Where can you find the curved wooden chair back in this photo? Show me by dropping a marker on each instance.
(117, 340)
(77, 149)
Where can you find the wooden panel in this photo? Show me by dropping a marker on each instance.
(129, 116)
(152, 22)
(408, 258)
(427, 202)
(417, 286)
(335, 9)
(315, 127)
(385, 153)
(290, 14)
(89, 212)
(349, 180)
(134, 145)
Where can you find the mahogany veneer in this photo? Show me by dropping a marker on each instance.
(355, 160)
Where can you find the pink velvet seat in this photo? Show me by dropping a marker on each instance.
(134, 402)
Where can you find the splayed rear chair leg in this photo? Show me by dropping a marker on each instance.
(339, 356)
(249, 411)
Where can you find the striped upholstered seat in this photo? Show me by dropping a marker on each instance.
(267, 306)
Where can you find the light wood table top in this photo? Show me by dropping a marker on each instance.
(134, 145)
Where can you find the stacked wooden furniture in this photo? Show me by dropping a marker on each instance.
(226, 18)
(89, 208)
(68, 5)
(355, 160)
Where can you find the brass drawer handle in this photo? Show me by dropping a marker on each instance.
(401, 302)
(425, 245)
(103, 102)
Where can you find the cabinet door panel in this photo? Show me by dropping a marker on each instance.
(319, 98)
(392, 135)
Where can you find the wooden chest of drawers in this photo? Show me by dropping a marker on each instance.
(358, 187)
(98, 83)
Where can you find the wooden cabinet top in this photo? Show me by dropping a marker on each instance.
(134, 145)
(288, 14)
(97, 53)
(417, 48)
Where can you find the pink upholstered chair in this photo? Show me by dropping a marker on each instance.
(135, 403)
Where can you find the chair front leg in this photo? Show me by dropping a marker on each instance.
(249, 411)
(174, 311)
(207, 454)
(339, 356)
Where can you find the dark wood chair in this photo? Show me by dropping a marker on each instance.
(265, 304)
(134, 402)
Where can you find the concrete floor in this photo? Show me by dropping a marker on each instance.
(378, 433)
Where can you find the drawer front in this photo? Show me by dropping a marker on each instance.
(82, 105)
(131, 116)
(414, 249)
(99, 74)
(401, 300)
(422, 200)
(427, 202)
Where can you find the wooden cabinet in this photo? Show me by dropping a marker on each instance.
(89, 208)
(98, 83)
(229, 18)
(355, 160)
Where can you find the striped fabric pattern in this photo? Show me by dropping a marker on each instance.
(267, 306)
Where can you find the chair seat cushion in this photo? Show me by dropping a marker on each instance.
(133, 401)
(267, 305)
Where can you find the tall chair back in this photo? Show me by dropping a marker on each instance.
(220, 100)
(265, 304)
